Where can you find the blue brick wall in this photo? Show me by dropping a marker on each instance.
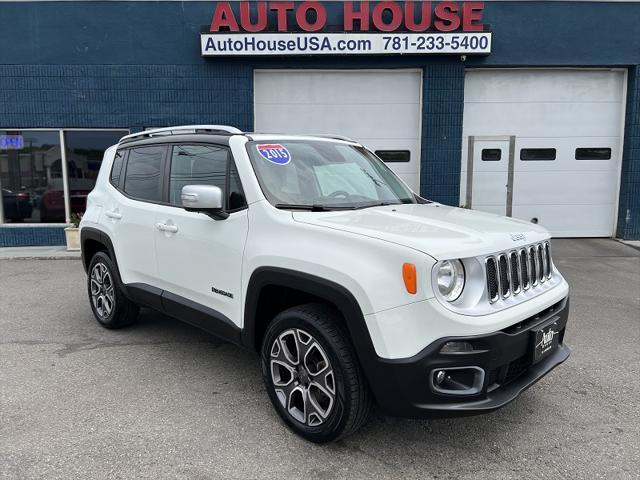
(443, 104)
(111, 64)
(129, 96)
(629, 206)
(31, 236)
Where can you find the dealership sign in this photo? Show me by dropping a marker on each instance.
(365, 28)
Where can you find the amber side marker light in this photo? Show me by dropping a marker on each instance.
(410, 278)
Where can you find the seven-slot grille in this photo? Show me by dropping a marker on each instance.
(510, 273)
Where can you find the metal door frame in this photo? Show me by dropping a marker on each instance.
(510, 167)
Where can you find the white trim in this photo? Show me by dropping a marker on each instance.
(65, 178)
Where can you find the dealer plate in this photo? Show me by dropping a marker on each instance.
(546, 340)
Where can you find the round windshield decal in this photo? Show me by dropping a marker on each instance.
(274, 153)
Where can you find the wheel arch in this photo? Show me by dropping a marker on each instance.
(92, 241)
(317, 288)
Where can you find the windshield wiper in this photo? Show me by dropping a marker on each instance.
(378, 204)
(311, 208)
(376, 182)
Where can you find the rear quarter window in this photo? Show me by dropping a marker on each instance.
(116, 168)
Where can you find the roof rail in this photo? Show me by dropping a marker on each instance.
(333, 137)
(180, 129)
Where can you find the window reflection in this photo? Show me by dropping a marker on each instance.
(30, 176)
(84, 156)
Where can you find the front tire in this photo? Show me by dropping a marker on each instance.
(312, 374)
(111, 308)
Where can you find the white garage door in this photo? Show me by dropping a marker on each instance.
(381, 109)
(545, 145)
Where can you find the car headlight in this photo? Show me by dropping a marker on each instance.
(450, 279)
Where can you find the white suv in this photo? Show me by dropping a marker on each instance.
(354, 290)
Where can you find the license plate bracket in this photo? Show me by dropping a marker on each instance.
(545, 339)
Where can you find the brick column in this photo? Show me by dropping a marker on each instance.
(443, 104)
(629, 206)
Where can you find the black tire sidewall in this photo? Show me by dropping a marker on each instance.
(333, 427)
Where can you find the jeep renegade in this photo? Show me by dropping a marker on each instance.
(309, 250)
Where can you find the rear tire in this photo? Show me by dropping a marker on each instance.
(312, 374)
(111, 308)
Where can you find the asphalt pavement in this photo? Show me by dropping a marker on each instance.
(163, 400)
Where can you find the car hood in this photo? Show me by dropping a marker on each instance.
(439, 231)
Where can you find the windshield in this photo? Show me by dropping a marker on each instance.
(324, 175)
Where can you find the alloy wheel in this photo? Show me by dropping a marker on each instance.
(102, 290)
(302, 377)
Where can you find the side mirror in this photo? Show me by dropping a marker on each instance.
(207, 199)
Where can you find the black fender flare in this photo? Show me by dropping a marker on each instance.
(332, 292)
(89, 233)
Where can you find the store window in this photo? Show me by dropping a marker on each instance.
(85, 150)
(32, 176)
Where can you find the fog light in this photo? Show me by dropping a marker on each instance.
(458, 380)
(456, 347)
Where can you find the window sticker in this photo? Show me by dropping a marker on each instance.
(274, 153)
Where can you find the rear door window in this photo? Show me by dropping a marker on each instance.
(143, 178)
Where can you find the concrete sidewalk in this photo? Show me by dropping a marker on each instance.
(38, 253)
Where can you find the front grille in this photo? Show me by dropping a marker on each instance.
(505, 286)
(513, 272)
(492, 279)
(533, 264)
(524, 269)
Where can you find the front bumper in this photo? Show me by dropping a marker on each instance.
(405, 388)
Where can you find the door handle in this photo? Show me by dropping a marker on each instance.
(113, 214)
(163, 227)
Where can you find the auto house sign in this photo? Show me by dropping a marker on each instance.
(250, 28)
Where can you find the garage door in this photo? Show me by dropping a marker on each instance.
(381, 109)
(545, 146)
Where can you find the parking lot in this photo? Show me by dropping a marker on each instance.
(164, 400)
